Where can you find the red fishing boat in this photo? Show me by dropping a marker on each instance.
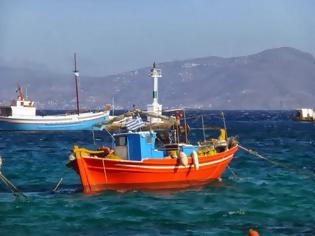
(152, 160)
(136, 163)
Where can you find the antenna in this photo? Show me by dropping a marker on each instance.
(20, 91)
(113, 105)
(76, 76)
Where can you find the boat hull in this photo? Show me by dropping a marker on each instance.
(67, 122)
(98, 174)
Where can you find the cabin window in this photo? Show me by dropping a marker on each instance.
(121, 141)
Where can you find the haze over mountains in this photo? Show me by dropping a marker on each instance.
(281, 78)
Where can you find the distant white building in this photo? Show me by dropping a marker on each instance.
(305, 114)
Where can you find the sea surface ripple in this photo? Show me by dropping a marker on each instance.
(253, 193)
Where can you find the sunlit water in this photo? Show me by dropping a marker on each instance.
(274, 200)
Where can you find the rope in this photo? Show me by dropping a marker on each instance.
(104, 170)
(204, 115)
(233, 172)
(54, 190)
(207, 128)
(253, 152)
(15, 191)
(276, 163)
(57, 186)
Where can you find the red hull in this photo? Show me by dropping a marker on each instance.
(99, 174)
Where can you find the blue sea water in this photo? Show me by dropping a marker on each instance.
(253, 193)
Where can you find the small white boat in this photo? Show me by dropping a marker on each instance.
(21, 115)
(305, 114)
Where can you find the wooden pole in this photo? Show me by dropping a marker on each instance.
(203, 129)
(185, 124)
(224, 124)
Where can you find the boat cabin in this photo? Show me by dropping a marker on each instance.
(18, 108)
(137, 146)
(21, 107)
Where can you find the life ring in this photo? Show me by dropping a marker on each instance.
(183, 159)
(195, 160)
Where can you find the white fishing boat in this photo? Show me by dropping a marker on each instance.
(21, 115)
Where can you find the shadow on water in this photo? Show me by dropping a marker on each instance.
(274, 200)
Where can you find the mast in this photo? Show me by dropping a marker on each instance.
(20, 91)
(76, 76)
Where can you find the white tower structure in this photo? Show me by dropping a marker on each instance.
(155, 107)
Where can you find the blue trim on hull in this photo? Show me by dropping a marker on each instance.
(84, 125)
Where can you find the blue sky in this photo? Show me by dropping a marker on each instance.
(113, 36)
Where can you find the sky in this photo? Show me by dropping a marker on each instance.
(112, 36)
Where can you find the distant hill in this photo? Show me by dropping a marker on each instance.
(281, 78)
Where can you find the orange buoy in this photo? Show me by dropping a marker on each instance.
(253, 232)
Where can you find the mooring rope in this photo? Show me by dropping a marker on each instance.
(57, 186)
(204, 115)
(232, 171)
(15, 191)
(276, 163)
(104, 170)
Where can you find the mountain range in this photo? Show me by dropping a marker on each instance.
(280, 78)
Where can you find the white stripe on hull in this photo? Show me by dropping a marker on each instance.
(172, 167)
(53, 119)
(177, 166)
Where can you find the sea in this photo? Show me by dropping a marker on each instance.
(272, 192)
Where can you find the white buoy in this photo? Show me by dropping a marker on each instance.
(195, 160)
(183, 159)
